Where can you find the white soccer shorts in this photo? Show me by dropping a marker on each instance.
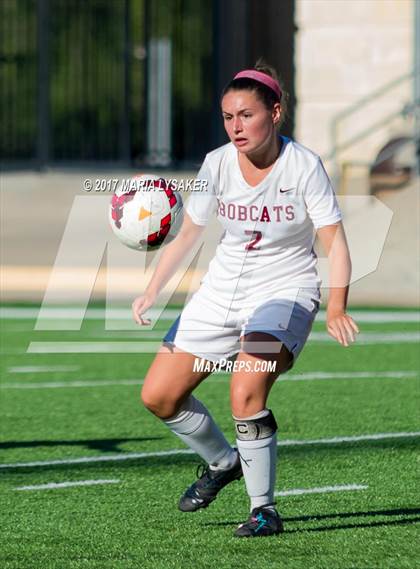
(209, 329)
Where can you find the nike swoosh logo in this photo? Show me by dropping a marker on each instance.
(288, 190)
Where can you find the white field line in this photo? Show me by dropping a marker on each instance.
(322, 490)
(54, 485)
(72, 384)
(319, 337)
(140, 346)
(93, 347)
(314, 375)
(377, 316)
(309, 376)
(141, 335)
(41, 369)
(73, 313)
(125, 333)
(294, 492)
(372, 337)
(137, 455)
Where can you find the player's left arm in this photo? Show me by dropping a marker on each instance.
(340, 325)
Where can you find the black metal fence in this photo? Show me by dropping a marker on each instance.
(18, 80)
(126, 81)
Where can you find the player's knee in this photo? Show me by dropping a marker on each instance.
(148, 399)
(159, 404)
(244, 402)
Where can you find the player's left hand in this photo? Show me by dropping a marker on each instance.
(341, 327)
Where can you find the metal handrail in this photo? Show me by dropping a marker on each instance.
(355, 107)
(371, 129)
(374, 95)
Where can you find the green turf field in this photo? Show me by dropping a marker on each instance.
(353, 429)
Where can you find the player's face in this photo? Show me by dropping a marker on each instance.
(248, 122)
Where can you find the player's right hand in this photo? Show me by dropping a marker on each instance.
(139, 307)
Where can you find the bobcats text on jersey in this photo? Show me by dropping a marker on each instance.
(239, 212)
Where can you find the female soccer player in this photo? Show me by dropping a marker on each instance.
(258, 299)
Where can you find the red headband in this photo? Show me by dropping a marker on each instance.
(261, 78)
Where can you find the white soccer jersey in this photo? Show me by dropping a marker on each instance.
(267, 245)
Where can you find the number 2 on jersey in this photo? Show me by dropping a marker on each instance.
(256, 236)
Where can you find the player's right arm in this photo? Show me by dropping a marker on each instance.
(172, 255)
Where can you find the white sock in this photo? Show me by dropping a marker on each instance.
(259, 458)
(194, 425)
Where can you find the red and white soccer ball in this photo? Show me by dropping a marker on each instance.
(146, 212)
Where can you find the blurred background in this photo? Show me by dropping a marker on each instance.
(105, 88)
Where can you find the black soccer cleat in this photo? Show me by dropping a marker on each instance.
(261, 523)
(205, 489)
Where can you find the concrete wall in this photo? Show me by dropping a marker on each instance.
(35, 208)
(345, 50)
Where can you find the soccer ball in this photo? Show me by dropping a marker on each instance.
(145, 212)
